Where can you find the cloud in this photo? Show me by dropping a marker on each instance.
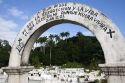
(47, 33)
(9, 36)
(7, 24)
(7, 28)
(17, 13)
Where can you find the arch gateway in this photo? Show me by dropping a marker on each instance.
(106, 32)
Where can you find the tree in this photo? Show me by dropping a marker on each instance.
(4, 52)
(62, 35)
(57, 38)
(50, 44)
(79, 34)
(42, 41)
(67, 34)
(35, 58)
(50, 41)
(51, 37)
(81, 49)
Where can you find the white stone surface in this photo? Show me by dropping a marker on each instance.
(116, 79)
(3, 78)
(17, 74)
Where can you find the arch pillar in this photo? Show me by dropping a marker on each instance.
(115, 73)
(17, 74)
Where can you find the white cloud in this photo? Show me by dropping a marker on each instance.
(47, 33)
(9, 36)
(7, 24)
(7, 30)
(17, 13)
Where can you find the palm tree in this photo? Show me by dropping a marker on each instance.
(50, 41)
(62, 35)
(67, 35)
(79, 34)
(50, 44)
(51, 37)
(57, 38)
(42, 41)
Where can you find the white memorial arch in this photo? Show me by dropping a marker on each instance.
(107, 33)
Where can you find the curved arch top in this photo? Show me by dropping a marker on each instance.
(107, 33)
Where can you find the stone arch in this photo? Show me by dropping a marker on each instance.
(107, 33)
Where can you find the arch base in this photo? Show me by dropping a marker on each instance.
(17, 74)
(115, 73)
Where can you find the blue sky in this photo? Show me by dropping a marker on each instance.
(15, 13)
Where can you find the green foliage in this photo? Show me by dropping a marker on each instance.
(35, 58)
(4, 52)
(75, 50)
(72, 65)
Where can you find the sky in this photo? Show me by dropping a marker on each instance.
(15, 13)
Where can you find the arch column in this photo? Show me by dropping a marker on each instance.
(115, 73)
(17, 74)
